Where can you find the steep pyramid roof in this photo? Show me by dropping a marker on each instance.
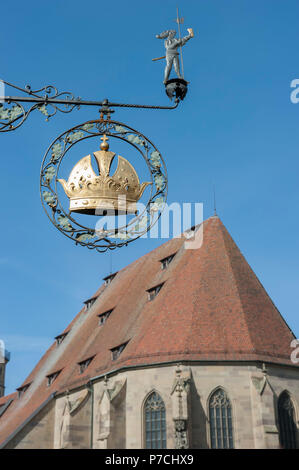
(211, 307)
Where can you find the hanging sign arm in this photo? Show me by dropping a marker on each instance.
(48, 101)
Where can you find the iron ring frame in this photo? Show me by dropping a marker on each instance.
(65, 222)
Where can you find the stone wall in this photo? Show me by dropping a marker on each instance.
(38, 433)
(115, 407)
(73, 418)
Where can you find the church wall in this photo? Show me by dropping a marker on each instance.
(259, 441)
(254, 417)
(80, 426)
(73, 417)
(118, 402)
(264, 398)
(101, 423)
(235, 380)
(140, 384)
(204, 379)
(286, 379)
(110, 413)
(38, 433)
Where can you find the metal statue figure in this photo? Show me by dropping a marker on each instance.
(172, 56)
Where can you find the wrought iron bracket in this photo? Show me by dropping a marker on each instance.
(48, 100)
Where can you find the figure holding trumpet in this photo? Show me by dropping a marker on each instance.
(171, 46)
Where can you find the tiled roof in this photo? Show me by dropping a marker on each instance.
(211, 307)
(4, 400)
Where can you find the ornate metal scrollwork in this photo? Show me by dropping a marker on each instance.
(48, 100)
(64, 220)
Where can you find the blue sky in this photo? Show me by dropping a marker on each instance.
(237, 129)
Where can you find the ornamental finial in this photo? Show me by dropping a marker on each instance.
(104, 145)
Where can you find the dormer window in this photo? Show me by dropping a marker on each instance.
(190, 233)
(4, 406)
(89, 303)
(154, 291)
(103, 317)
(166, 261)
(108, 279)
(116, 352)
(22, 390)
(84, 364)
(60, 338)
(52, 377)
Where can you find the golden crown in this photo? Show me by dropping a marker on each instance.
(103, 194)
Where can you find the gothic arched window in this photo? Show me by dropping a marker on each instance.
(286, 421)
(220, 416)
(155, 422)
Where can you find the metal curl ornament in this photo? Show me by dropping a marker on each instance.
(64, 220)
(48, 100)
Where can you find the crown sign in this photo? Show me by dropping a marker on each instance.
(103, 194)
